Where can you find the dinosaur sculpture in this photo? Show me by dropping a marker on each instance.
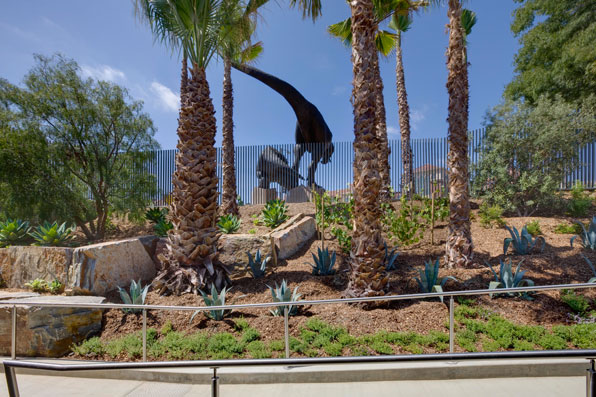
(312, 133)
(273, 167)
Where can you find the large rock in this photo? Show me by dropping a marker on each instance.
(262, 196)
(293, 234)
(49, 332)
(232, 248)
(21, 264)
(101, 268)
(300, 194)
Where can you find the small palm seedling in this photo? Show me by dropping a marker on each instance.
(137, 296)
(274, 213)
(283, 294)
(13, 231)
(429, 280)
(214, 300)
(522, 242)
(258, 264)
(52, 234)
(156, 214)
(228, 224)
(324, 263)
(589, 262)
(588, 237)
(390, 257)
(37, 285)
(162, 227)
(507, 278)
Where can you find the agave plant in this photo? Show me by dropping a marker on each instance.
(522, 242)
(324, 263)
(214, 300)
(228, 224)
(589, 262)
(507, 278)
(429, 280)
(13, 231)
(53, 234)
(282, 293)
(258, 264)
(390, 258)
(162, 227)
(588, 238)
(274, 213)
(156, 214)
(137, 296)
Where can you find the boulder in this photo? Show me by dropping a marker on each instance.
(300, 194)
(49, 332)
(232, 248)
(296, 232)
(101, 268)
(21, 264)
(262, 196)
(15, 295)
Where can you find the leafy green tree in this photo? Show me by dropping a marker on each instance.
(528, 150)
(557, 54)
(72, 149)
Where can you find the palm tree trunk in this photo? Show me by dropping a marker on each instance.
(228, 197)
(366, 276)
(381, 130)
(407, 182)
(189, 263)
(183, 78)
(459, 246)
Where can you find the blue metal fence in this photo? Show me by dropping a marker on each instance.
(430, 166)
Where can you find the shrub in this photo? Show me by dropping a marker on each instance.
(53, 234)
(565, 228)
(403, 226)
(522, 243)
(274, 213)
(344, 238)
(534, 228)
(56, 287)
(282, 293)
(13, 232)
(137, 296)
(580, 201)
(491, 215)
(578, 303)
(162, 228)
(323, 263)
(228, 223)
(258, 265)
(37, 285)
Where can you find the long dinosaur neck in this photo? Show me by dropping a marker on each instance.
(294, 98)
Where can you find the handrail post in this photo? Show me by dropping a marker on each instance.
(144, 334)
(11, 381)
(591, 380)
(451, 326)
(286, 332)
(215, 383)
(13, 331)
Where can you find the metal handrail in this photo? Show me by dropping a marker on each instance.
(382, 298)
(13, 389)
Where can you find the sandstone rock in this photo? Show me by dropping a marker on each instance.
(103, 267)
(300, 194)
(21, 264)
(232, 248)
(261, 196)
(49, 332)
(293, 236)
(15, 295)
(150, 244)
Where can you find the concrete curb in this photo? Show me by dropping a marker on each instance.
(472, 369)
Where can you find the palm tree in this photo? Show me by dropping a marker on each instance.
(366, 276)
(234, 45)
(399, 11)
(459, 246)
(190, 261)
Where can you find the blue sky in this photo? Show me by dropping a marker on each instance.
(108, 42)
